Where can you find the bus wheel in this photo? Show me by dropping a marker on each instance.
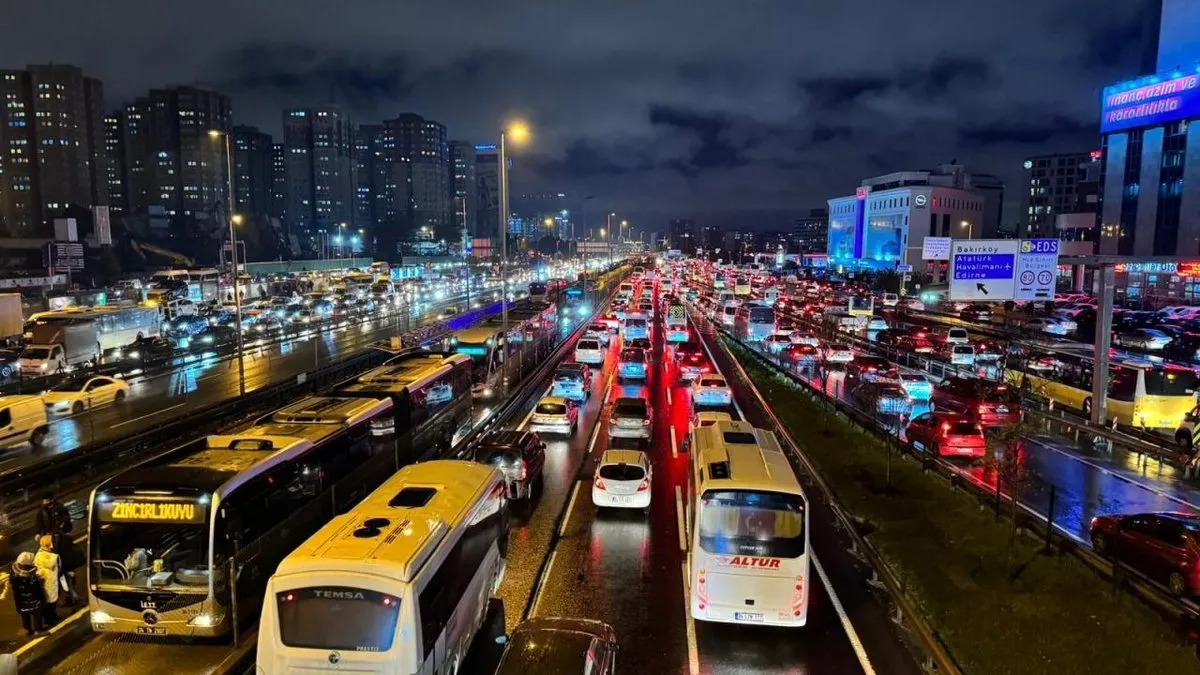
(1184, 439)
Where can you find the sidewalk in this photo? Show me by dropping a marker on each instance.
(12, 633)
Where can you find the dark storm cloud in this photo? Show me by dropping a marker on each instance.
(674, 107)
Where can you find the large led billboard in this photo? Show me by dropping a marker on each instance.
(1150, 101)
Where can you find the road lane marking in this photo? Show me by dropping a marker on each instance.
(151, 414)
(693, 650)
(851, 634)
(668, 394)
(674, 445)
(679, 518)
(570, 507)
(537, 598)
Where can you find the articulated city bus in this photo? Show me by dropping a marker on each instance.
(748, 553)
(164, 535)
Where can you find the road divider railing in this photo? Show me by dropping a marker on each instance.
(1182, 613)
(22, 488)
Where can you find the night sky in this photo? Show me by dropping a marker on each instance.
(738, 113)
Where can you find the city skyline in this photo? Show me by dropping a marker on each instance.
(715, 127)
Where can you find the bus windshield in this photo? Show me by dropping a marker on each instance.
(762, 315)
(752, 522)
(136, 548)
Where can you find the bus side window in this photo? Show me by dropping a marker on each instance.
(433, 613)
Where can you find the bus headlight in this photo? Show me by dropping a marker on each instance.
(101, 617)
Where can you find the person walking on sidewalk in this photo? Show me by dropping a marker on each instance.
(49, 564)
(72, 559)
(29, 594)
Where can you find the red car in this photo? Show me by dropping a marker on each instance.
(1163, 546)
(947, 434)
(990, 403)
(802, 354)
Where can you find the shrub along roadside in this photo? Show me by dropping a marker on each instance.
(1056, 617)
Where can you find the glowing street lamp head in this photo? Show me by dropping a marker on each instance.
(624, 223)
(518, 132)
(237, 219)
(603, 233)
(214, 133)
(548, 222)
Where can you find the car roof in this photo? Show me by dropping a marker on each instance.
(560, 400)
(631, 400)
(624, 457)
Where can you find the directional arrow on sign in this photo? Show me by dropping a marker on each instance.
(982, 288)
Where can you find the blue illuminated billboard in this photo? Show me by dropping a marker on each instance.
(1150, 101)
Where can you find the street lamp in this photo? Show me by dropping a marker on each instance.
(518, 132)
(234, 220)
(969, 227)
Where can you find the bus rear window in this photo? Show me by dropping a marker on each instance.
(349, 619)
(752, 522)
(1170, 382)
(762, 315)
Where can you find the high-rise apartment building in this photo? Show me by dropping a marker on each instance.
(253, 171)
(52, 151)
(279, 181)
(116, 166)
(1049, 188)
(172, 166)
(683, 235)
(811, 231)
(463, 189)
(487, 200)
(320, 174)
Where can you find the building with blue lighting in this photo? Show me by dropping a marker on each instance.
(886, 221)
(1150, 180)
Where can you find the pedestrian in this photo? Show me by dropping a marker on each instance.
(52, 518)
(49, 565)
(72, 559)
(29, 596)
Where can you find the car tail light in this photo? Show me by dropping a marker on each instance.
(600, 484)
(612, 420)
(983, 409)
(524, 470)
(646, 422)
(644, 486)
(945, 428)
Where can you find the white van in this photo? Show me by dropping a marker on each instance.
(22, 419)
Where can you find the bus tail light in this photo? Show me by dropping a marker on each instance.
(798, 597)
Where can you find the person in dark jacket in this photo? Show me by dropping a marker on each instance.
(72, 559)
(29, 595)
(53, 519)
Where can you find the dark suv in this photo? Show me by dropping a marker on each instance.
(990, 403)
(560, 646)
(519, 455)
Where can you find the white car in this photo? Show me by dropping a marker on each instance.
(912, 304)
(555, 414)
(776, 342)
(77, 396)
(590, 351)
(597, 331)
(711, 389)
(890, 299)
(631, 418)
(622, 480)
(1046, 325)
(805, 339)
(837, 353)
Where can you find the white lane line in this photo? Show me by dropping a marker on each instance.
(693, 650)
(669, 396)
(674, 446)
(679, 518)
(525, 422)
(151, 414)
(851, 634)
(570, 507)
(537, 598)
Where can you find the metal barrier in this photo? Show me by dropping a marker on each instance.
(1183, 612)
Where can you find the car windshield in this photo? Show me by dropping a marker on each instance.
(712, 382)
(588, 345)
(551, 409)
(622, 472)
(634, 408)
(633, 356)
(37, 353)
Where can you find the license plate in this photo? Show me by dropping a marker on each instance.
(621, 499)
(748, 616)
(1001, 409)
(151, 630)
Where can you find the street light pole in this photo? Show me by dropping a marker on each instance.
(237, 296)
(504, 259)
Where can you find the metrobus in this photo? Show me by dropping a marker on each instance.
(400, 584)
(486, 344)
(537, 290)
(116, 326)
(1140, 394)
(741, 285)
(748, 552)
(431, 393)
(575, 305)
(164, 534)
(202, 284)
(754, 322)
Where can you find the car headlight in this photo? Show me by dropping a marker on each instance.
(135, 355)
(99, 616)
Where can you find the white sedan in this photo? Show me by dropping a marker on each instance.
(622, 480)
(711, 389)
(555, 414)
(77, 396)
(912, 304)
(777, 341)
(1046, 324)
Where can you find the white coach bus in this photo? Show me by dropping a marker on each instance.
(400, 584)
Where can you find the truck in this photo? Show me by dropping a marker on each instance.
(12, 319)
(60, 346)
(676, 323)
